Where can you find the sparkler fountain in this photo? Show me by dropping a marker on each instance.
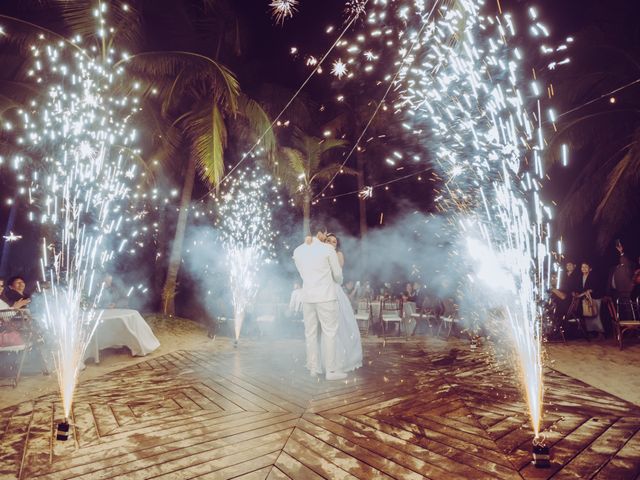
(76, 137)
(465, 84)
(460, 88)
(244, 220)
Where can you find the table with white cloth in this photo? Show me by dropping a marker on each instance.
(408, 308)
(121, 327)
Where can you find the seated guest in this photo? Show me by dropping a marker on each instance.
(364, 291)
(620, 281)
(409, 294)
(586, 293)
(350, 289)
(562, 296)
(13, 295)
(111, 296)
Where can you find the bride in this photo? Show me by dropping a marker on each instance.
(348, 344)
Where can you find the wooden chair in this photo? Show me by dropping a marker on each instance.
(363, 315)
(625, 316)
(391, 312)
(572, 317)
(14, 323)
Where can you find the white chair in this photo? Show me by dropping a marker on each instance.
(363, 316)
(391, 312)
(12, 327)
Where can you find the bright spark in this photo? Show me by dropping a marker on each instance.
(283, 9)
(12, 237)
(366, 192)
(339, 69)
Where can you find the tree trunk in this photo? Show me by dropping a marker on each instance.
(175, 258)
(306, 213)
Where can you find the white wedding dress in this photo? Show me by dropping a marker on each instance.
(348, 342)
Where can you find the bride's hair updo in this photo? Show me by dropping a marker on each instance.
(333, 235)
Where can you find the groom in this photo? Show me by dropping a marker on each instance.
(320, 270)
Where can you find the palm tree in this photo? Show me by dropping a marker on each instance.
(198, 95)
(604, 135)
(306, 162)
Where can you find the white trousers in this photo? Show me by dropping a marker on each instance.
(326, 314)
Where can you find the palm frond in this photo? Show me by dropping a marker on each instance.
(196, 70)
(22, 33)
(332, 143)
(328, 172)
(290, 170)
(259, 124)
(126, 21)
(295, 160)
(208, 135)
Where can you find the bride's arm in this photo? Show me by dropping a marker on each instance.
(340, 259)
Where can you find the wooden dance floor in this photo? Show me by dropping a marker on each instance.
(418, 409)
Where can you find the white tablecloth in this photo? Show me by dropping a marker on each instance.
(120, 327)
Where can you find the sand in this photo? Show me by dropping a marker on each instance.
(597, 363)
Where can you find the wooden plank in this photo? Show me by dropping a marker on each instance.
(413, 426)
(277, 474)
(261, 474)
(590, 460)
(626, 462)
(360, 454)
(292, 468)
(210, 461)
(124, 459)
(256, 468)
(275, 398)
(38, 450)
(316, 463)
(480, 465)
(395, 450)
(330, 453)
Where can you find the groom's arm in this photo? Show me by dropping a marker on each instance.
(336, 269)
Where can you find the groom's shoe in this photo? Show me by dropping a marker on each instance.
(336, 376)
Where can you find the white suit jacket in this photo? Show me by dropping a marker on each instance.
(320, 271)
